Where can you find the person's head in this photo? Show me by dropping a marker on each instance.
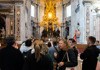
(35, 40)
(54, 39)
(28, 38)
(44, 49)
(42, 38)
(72, 42)
(10, 41)
(49, 44)
(91, 40)
(32, 40)
(63, 44)
(97, 43)
(37, 52)
(28, 42)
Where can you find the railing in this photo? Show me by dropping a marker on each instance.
(80, 47)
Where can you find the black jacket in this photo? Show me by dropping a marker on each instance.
(75, 51)
(62, 57)
(11, 59)
(89, 57)
(42, 64)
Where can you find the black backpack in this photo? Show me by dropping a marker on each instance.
(26, 54)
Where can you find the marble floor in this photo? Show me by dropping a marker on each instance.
(79, 67)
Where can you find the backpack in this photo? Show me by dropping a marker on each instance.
(26, 54)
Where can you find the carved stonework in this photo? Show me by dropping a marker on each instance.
(7, 25)
(12, 25)
(87, 21)
(17, 27)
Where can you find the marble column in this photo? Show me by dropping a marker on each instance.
(63, 20)
(7, 25)
(18, 22)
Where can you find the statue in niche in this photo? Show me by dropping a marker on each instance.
(58, 33)
(26, 30)
(66, 32)
(3, 33)
(50, 30)
(35, 32)
(44, 33)
(54, 33)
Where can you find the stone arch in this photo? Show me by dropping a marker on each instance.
(2, 22)
(2, 28)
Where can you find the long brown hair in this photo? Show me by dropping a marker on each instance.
(44, 49)
(37, 52)
(66, 43)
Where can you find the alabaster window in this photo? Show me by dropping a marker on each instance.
(68, 11)
(32, 10)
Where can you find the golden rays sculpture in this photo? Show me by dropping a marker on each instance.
(49, 19)
(55, 1)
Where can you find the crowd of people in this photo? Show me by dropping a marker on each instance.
(58, 54)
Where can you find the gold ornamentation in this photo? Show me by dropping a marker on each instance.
(50, 14)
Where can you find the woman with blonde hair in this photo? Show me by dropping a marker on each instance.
(65, 57)
(37, 61)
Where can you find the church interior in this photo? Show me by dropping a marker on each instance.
(41, 18)
(45, 19)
